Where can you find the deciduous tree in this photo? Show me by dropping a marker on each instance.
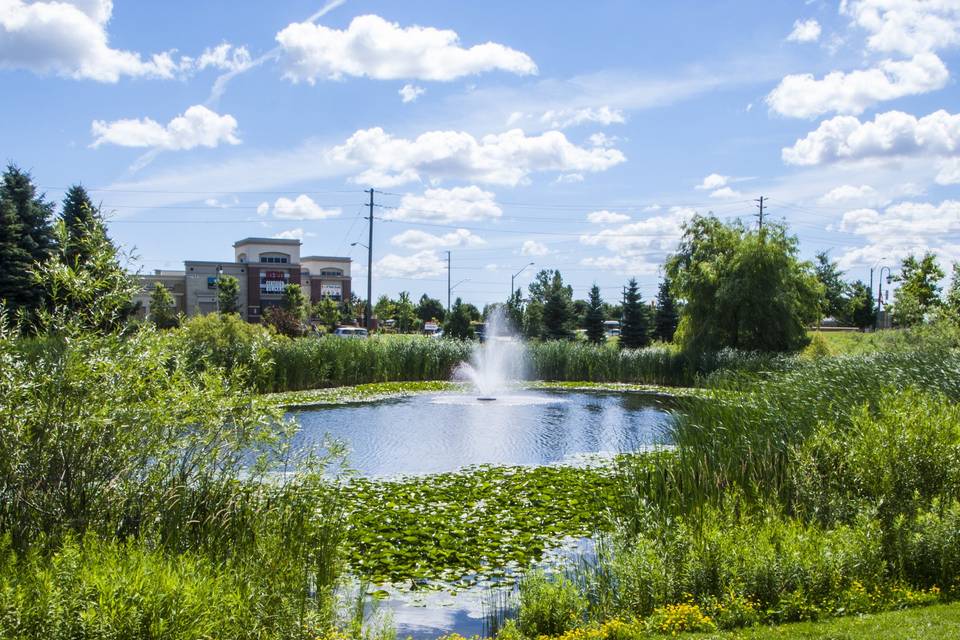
(919, 290)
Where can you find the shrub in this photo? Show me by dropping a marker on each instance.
(229, 343)
(678, 618)
(549, 607)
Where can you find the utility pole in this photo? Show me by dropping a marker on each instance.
(370, 267)
(449, 288)
(760, 215)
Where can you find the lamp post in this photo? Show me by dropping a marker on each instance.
(459, 283)
(880, 290)
(515, 275)
(219, 273)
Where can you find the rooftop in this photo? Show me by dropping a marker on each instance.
(282, 241)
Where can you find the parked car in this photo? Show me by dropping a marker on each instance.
(350, 332)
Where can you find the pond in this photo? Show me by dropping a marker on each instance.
(446, 432)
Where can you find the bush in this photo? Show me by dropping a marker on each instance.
(549, 607)
(229, 343)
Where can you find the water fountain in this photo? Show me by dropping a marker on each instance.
(497, 363)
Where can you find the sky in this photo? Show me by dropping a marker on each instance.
(577, 136)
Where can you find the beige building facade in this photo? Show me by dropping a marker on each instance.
(264, 267)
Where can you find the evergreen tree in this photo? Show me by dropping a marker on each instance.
(860, 311)
(594, 319)
(228, 294)
(162, 312)
(294, 302)
(635, 326)
(558, 317)
(26, 218)
(81, 218)
(919, 291)
(514, 309)
(15, 281)
(666, 318)
(405, 313)
(458, 324)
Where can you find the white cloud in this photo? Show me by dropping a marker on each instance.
(803, 96)
(375, 48)
(644, 240)
(197, 127)
(417, 240)
(601, 139)
(263, 208)
(218, 204)
(849, 193)
(901, 229)
(70, 39)
(225, 57)
(805, 31)
(533, 248)
(604, 262)
(447, 206)
(410, 92)
(569, 178)
(906, 26)
(713, 181)
(423, 264)
(294, 234)
(725, 193)
(948, 172)
(607, 217)
(507, 158)
(302, 208)
(893, 133)
(564, 118)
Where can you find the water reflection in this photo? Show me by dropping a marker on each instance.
(431, 434)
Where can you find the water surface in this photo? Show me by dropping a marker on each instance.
(447, 432)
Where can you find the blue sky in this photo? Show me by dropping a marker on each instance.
(576, 136)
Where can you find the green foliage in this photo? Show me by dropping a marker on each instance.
(328, 312)
(860, 309)
(405, 313)
(919, 291)
(228, 294)
(80, 217)
(742, 289)
(558, 315)
(549, 606)
(836, 301)
(227, 342)
(666, 318)
(162, 312)
(457, 325)
(430, 309)
(26, 239)
(635, 327)
(594, 318)
(952, 299)
(294, 302)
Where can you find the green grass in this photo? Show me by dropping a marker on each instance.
(937, 622)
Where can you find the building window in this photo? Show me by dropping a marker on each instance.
(274, 259)
(331, 272)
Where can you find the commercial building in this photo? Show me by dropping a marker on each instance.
(264, 266)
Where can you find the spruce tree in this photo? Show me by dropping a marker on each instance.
(635, 326)
(594, 320)
(457, 324)
(81, 218)
(558, 316)
(27, 222)
(15, 263)
(666, 318)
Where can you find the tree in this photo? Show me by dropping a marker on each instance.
(458, 324)
(594, 318)
(430, 309)
(666, 318)
(27, 239)
(328, 312)
(558, 318)
(228, 294)
(952, 301)
(162, 312)
(405, 313)
(514, 310)
(860, 311)
(384, 309)
(80, 218)
(742, 289)
(284, 321)
(835, 290)
(295, 302)
(635, 326)
(919, 291)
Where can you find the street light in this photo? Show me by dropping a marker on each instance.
(515, 275)
(219, 273)
(880, 292)
(459, 283)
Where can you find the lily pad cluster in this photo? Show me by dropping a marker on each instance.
(478, 523)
